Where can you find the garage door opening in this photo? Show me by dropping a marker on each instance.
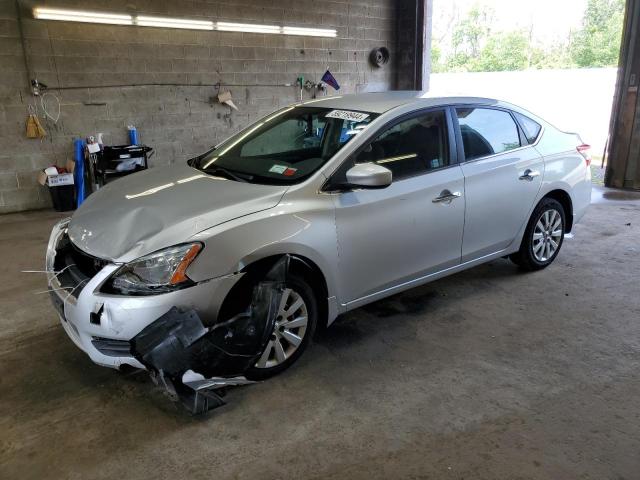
(557, 59)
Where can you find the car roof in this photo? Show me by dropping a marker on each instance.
(383, 101)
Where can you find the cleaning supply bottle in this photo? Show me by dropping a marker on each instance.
(133, 135)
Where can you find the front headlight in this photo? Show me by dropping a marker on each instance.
(158, 272)
(56, 233)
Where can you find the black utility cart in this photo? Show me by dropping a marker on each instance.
(120, 160)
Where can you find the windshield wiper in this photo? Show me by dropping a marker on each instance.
(221, 171)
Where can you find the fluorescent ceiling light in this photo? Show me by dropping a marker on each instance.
(312, 32)
(246, 27)
(144, 21)
(81, 16)
(164, 22)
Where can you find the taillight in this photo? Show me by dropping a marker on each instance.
(585, 151)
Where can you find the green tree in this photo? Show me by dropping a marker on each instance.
(436, 58)
(469, 36)
(475, 47)
(503, 51)
(551, 56)
(597, 44)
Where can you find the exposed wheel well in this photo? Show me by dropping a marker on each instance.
(240, 295)
(565, 200)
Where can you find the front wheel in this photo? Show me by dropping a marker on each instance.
(294, 328)
(543, 237)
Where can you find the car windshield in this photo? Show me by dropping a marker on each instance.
(286, 147)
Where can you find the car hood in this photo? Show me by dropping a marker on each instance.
(160, 207)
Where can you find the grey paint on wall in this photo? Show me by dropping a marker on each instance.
(178, 121)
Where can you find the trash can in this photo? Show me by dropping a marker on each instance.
(62, 191)
(63, 197)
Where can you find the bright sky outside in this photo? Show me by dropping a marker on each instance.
(556, 95)
(551, 19)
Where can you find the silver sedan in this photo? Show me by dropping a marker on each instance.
(365, 195)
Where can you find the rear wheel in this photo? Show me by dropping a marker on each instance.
(295, 324)
(543, 237)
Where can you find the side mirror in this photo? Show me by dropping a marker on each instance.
(369, 175)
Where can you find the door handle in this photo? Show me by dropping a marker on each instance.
(529, 175)
(446, 196)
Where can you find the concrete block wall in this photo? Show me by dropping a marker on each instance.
(178, 121)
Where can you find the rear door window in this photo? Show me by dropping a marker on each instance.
(486, 131)
(530, 127)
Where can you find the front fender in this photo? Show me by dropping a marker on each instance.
(306, 229)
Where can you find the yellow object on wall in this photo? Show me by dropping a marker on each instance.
(34, 129)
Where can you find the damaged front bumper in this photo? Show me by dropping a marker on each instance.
(191, 361)
(103, 325)
(176, 335)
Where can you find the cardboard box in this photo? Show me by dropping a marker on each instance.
(42, 178)
(58, 180)
(51, 178)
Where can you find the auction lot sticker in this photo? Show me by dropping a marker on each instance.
(278, 169)
(347, 115)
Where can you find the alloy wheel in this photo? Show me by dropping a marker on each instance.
(547, 235)
(289, 330)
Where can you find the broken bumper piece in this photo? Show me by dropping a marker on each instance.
(193, 363)
(196, 393)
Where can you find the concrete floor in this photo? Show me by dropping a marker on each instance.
(488, 374)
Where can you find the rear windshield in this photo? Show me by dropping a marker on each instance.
(285, 147)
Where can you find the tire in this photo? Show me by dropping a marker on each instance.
(296, 289)
(537, 249)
